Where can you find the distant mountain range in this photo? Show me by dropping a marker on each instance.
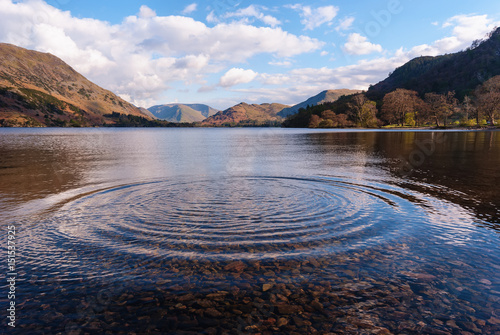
(244, 113)
(325, 96)
(39, 89)
(182, 112)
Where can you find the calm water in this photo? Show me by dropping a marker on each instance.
(252, 230)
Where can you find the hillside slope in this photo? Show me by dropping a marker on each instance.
(325, 96)
(461, 72)
(39, 89)
(182, 112)
(245, 113)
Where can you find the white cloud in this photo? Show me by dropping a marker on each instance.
(314, 17)
(468, 27)
(145, 54)
(359, 45)
(281, 63)
(252, 11)
(212, 18)
(309, 81)
(324, 53)
(297, 85)
(236, 76)
(345, 24)
(190, 8)
(146, 12)
(465, 29)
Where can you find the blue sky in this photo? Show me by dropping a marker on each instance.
(223, 52)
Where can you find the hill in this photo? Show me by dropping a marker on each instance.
(39, 89)
(461, 72)
(147, 113)
(325, 96)
(182, 112)
(245, 114)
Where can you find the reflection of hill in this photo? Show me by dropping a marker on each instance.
(461, 167)
(33, 167)
(465, 163)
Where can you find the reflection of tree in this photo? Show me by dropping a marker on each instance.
(463, 163)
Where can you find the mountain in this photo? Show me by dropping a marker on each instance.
(182, 112)
(461, 72)
(325, 96)
(244, 113)
(147, 113)
(39, 89)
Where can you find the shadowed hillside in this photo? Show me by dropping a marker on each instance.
(325, 96)
(182, 112)
(461, 72)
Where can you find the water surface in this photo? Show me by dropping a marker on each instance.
(251, 230)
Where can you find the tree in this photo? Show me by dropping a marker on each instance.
(421, 112)
(441, 106)
(369, 115)
(467, 108)
(315, 121)
(355, 107)
(328, 115)
(328, 123)
(343, 121)
(397, 104)
(488, 99)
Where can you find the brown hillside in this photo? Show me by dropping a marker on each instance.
(39, 89)
(244, 112)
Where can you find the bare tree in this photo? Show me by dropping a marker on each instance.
(441, 106)
(397, 104)
(467, 107)
(488, 98)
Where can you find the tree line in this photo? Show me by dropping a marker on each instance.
(403, 107)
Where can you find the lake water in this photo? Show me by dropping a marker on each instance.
(252, 231)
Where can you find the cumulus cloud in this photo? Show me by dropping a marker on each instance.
(314, 17)
(190, 8)
(299, 84)
(145, 54)
(236, 76)
(359, 45)
(465, 29)
(146, 12)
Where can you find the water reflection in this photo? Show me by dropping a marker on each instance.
(254, 230)
(455, 166)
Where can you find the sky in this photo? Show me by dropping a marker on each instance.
(223, 52)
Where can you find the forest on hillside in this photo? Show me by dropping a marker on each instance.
(455, 89)
(403, 107)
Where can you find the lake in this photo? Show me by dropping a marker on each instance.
(256, 230)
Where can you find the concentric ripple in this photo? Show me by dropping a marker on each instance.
(234, 217)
